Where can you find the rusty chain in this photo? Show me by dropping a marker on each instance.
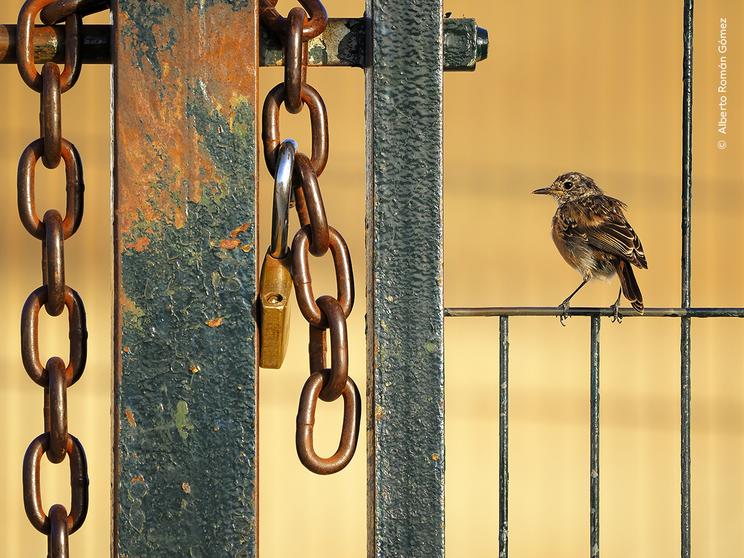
(314, 237)
(54, 295)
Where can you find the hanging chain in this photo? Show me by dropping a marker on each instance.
(315, 237)
(53, 229)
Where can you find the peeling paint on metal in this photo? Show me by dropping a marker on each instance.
(185, 180)
(181, 419)
(130, 417)
(144, 20)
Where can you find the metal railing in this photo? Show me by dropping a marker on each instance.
(685, 312)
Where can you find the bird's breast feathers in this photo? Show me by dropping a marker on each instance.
(596, 224)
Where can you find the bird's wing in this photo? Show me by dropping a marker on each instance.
(606, 228)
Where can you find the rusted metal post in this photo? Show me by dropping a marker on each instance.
(404, 280)
(185, 268)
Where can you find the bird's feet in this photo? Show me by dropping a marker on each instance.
(563, 308)
(616, 317)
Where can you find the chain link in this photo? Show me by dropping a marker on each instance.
(51, 115)
(303, 282)
(59, 10)
(295, 61)
(318, 124)
(310, 207)
(25, 46)
(339, 371)
(56, 377)
(312, 26)
(27, 187)
(314, 237)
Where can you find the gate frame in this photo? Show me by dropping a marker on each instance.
(163, 209)
(404, 279)
(406, 367)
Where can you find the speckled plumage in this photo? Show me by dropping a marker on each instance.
(593, 235)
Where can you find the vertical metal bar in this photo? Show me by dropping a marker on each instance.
(504, 437)
(184, 198)
(686, 392)
(594, 441)
(687, 153)
(404, 282)
(685, 437)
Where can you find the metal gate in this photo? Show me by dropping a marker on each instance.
(185, 178)
(186, 184)
(685, 312)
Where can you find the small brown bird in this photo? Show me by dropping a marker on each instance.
(594, 237)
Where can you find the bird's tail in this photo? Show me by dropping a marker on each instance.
(628, 282)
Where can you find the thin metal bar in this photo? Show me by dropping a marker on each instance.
(405, 381)
(583, 311)
(594, 441)
(343, 43)
(185, 397)
(686, 392)
(504, 437)
(685, 379)
(687, 155)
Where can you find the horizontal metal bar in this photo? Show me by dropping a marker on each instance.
(49, 44)
(344, 43)
(588, 311)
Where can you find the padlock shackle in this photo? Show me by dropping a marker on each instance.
(282, 197)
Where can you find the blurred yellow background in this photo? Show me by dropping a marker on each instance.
(576, 85)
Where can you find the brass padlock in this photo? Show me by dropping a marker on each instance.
(275, 290)
(275, 285)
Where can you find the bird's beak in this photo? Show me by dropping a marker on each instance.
(547, 190)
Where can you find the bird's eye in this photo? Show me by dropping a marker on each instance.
(568, 185)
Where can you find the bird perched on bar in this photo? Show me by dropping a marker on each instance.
(594, 237)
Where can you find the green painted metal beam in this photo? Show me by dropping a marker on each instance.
(185, 268)
(405, 376)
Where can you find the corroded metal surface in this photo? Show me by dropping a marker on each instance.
(185, 371)
(405, 382)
